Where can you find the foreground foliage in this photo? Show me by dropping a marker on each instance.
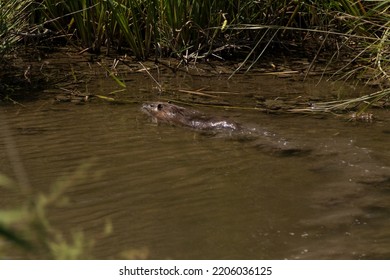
(28, 228)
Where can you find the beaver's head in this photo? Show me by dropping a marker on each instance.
(163, 111)
(152, 107)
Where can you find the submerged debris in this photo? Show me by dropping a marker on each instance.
(73, 96)
(363, 116)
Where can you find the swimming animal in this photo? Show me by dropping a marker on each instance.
(176, 115)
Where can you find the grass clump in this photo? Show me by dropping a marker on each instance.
(14, 19)
(145, 27)
(190, 29)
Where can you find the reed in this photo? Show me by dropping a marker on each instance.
(358, 104)
(14, 16)
(178, 27)
(192, 29)
(355, 31)
(146, 27)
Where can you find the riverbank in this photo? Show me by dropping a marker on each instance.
(64, 75)
(345, 41)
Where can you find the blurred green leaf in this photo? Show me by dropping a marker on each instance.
(12, 216)
(14, 237)
(7, 182)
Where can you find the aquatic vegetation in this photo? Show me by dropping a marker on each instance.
(357, 105)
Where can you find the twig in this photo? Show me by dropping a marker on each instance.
(150, 75)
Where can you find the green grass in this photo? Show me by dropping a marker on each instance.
(174, 26)
(14, 16)
(183, 27)
(145, 27)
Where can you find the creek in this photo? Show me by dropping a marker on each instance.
(174, 193)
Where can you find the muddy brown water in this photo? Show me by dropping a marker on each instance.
(173, 193)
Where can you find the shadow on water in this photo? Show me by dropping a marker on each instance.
(180, 194)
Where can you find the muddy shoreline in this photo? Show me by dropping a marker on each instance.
(63, 75)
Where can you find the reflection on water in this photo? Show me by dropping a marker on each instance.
(179, 194)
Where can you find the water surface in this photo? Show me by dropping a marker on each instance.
(179, 194)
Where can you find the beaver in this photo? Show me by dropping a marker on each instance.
(176, 115)
(180, 116)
